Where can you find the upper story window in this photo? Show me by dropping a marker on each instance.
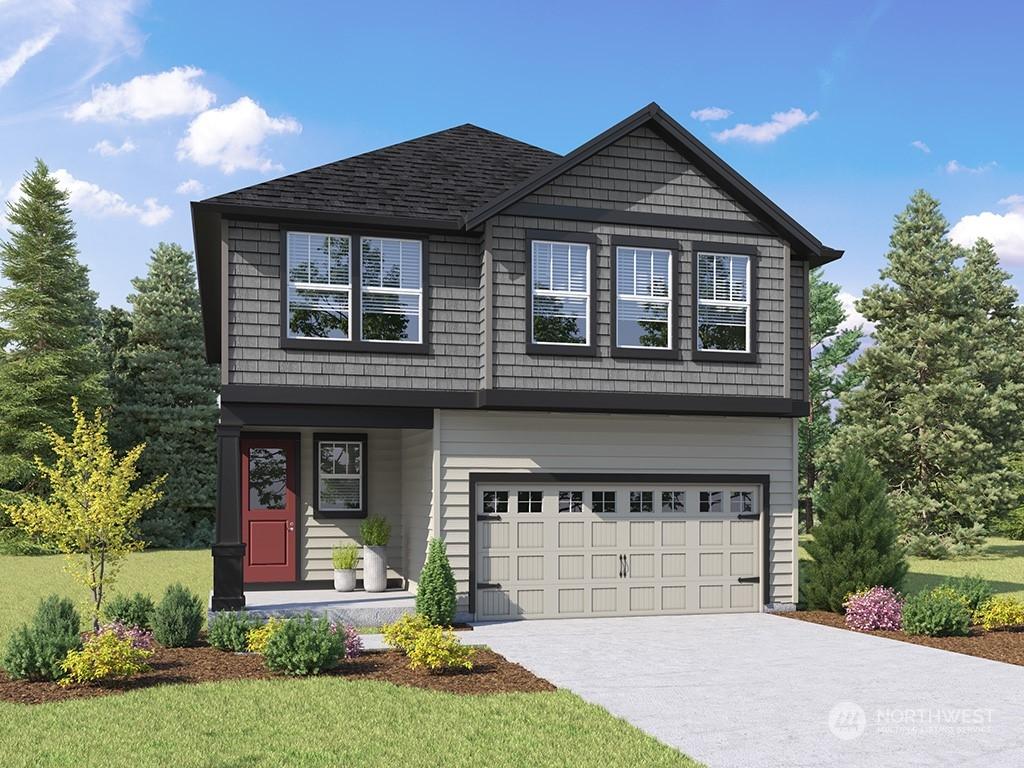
(560, 293)
(723, 302)
(319, 286)
(644, 298)
(392, 290)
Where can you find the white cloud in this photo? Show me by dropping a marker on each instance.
(92, 200)
(853, 317)
(106, 149)
(190, 187)
(710, 113)
(763, 133)
(954, 167)
(1004, 230)
(918, 144)
(9, 67)
(231, 137)
(147, 97)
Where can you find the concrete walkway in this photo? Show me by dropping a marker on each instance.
(755, 691)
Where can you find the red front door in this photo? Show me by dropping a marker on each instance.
(268, 508)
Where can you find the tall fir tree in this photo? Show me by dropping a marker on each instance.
(168, 397)
(939, 412)
(830, 377)
(47, 329)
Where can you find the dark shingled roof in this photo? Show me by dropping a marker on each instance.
(441, 176)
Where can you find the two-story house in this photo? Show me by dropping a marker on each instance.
(582, 372)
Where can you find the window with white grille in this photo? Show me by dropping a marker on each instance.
(319, 285)
(392, 290)
(723, 302)
(560, 293)
(644, 298)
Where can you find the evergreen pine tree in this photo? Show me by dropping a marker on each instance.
(942, 384)
(168, 397)
(829, 378)
(435, 593)
(47, 326)
(855, 544)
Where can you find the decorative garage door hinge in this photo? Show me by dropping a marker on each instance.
(750, 579)
(488, 517)
(487, 585)
(748, 517)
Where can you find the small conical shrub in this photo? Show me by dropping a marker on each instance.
(178, 617)
(435, 597)
(855, 546)
(36, 651)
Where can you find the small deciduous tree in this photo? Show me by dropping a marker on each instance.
(92, 510)
(856, 544)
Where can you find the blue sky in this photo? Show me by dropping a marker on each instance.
(132, 101)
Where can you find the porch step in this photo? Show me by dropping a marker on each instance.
(360, 609)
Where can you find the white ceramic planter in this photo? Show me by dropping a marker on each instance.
(345, 580)
(375, 569)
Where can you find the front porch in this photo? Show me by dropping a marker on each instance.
(360, 609)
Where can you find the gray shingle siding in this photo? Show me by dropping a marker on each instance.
(254, 323)
(478, 316)
(640, 173)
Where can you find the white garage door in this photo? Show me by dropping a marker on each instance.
(567, 550)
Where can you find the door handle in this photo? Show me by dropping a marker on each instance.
(291, 526)
(625, 566)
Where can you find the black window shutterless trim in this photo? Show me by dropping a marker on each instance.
(578, 350)
(346, 437)
(647, 353)
(354, 343)
(714, 355)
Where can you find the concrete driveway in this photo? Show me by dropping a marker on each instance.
(757, 690)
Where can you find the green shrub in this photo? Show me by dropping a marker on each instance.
(375, 531)
(134, 611)
(855, 545)
(438, 648)
(973, 589)
(1012, 526)
(15, 541)
(435, 595)
(178, 617)
(304, 646)
(229, 631)
(36, 651)
(1001, 611)
(105, 655)
(345, 557)
(402, 634)
(938, 612)
(260, 635)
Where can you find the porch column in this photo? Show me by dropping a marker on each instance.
(228, 550)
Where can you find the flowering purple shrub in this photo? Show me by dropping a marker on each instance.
(875, 608)
(139, 638)
(353, 642)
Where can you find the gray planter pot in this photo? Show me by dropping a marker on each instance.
(345, 580)
(375, 569)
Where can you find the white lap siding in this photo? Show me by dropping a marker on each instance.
(475, 442)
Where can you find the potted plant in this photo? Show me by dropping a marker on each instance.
(375, 532)
(345, 559)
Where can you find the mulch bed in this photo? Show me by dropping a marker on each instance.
(1005, 646)
(491, 673)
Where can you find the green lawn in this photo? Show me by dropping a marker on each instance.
(24, 580)
(324, 722)
(1000, 561)
(314, 722)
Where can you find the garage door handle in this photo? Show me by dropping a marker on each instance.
(622, 566)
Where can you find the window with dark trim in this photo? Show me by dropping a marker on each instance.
(529, 502)
(560, 294)
(340, 475)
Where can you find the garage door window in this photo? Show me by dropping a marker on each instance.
(711, 501)
(673, 501)
(570, 501)
(641, 502)
(530, 502)
(495, 502)
(603, 502)
(742, 502)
